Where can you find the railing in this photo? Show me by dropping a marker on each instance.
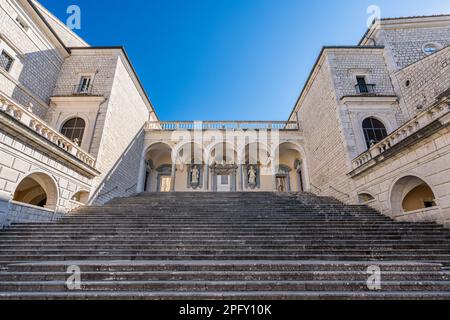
(365, 88)
(30, 120)
(76, 90)
(82, 89)
(223, 125)
(419, 122)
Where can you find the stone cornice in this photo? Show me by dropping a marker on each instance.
(78, 99)
(361, 99)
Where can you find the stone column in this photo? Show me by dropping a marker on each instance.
(274, 180)
(141, 177)
(206, 177)
(173, 177)
(241, 178)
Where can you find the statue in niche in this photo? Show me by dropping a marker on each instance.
(251, 176)
(195, 176)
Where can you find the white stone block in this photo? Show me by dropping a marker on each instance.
(6, 159)
(9, 174)
(21, 165)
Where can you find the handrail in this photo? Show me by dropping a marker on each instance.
(222, 125)
(107, 192)
(365, 88)
(312, 185)
(133, 186)
(343, 193)
(33, 122)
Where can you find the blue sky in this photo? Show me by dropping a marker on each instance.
(228, 59)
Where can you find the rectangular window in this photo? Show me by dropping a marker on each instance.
(362, 84)
(22, 23)
(6, 61)
(85, 84)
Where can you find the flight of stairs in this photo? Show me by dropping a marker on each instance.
(225, 246)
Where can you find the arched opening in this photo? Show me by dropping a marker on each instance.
(374, 131)
(365, 198)
(38, 189)
(158, 164)
(290, 170)
(420, 197)
(74, 129)
(411, 193)
(81, 197)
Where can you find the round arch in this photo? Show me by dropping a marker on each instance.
(410, 193)
(226, 146)
(365, 197)
(156, 155)
(263, 154)
(81, 196)
(72, 116)
(374, 129)
(300, 167)
(38, 189)
(74, 127)
(195, 150)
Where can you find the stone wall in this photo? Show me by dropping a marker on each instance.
(327, 156)
(102, 67)
(23, 213)
(428, 160)
(427, 79)
(19, 159)
(406, 43)
(121, 143)
(123, 177)
(37, 61)
(347, 64)
(67, 36)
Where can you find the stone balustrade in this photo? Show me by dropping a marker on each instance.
(419, 122)
(30, 120)
(223, 125)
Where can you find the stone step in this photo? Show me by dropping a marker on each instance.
(202, 286)
(216, 246)
(213, 245)
(231, 233)
(246, 250)
(148, 236)
(232, 255)
(226, 295)
(223, 237)
(113, 266)
(217, 242)
(151, 227)
(224, 276)
(133, 224)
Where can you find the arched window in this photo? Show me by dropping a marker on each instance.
(374, 131)
(74, 129)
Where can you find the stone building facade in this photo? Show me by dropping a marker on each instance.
(370, 126)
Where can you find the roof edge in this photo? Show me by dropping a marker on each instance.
(39, 14)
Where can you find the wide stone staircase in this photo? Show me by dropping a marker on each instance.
(225, 246)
